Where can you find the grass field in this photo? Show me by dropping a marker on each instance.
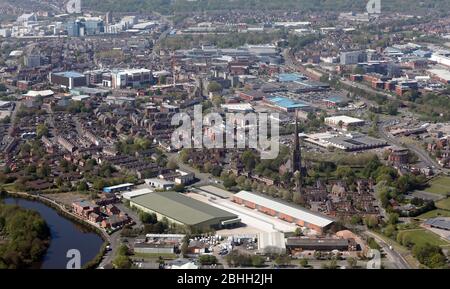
(434, 214)
(439, 185)
(422, 236)
(443, 204)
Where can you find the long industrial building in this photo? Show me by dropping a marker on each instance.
(289, 213)
(180, 209)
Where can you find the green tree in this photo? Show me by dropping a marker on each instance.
(283, 260)
(371, 222)
(214, 87)
(207, 259)
(122, 262)
(429, 255)
(179, 188)
(41, 130)
(172, 165)
(257, 261)
(393, 218)
(389, 231)
(82, 186)
(355, 220)
(123, 250)
(147, 218)
(249, 160)
(351, 262)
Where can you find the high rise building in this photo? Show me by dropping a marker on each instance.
(73, 28)
(93, 26)
(353, 57)
(85, 26)
(108, 18)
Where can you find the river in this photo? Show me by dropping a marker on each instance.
(65, 235)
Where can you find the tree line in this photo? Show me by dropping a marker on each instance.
(24, 237)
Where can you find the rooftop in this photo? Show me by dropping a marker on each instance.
(290, 77)
(181, 208)
(441, 223)
(287, 102)
(237, 107)
(289, 209)
(70, 74)
(119, 186)
(441, 73)
(136, 193)
(216, 191)
(345, 119)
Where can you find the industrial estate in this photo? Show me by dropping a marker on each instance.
(95, 98)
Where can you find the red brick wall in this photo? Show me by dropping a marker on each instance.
(237, 200)
(300, 223)
(267, 211)
(250, 204)
(286, 217)
(315, 228)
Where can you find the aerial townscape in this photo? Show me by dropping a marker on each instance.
(96, 97)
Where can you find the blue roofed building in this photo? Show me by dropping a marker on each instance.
(287, 104)
(291, 77)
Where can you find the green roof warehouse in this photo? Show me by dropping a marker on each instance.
(180, 209)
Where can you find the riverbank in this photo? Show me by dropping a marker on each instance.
(65, 213)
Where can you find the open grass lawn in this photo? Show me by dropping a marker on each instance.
(434, 214)
(443, 204)
(10, 187)
(439, 185)
(422, 236)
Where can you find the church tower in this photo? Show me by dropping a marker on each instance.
(297, 153)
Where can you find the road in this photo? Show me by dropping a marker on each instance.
(393, 255)
(114, 238)
(421, 153)
(114, 242)
(366, 88)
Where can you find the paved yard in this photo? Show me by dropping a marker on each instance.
(67, 198)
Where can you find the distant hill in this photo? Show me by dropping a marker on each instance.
(168, 6)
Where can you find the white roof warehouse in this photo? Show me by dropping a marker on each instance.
(284, 211)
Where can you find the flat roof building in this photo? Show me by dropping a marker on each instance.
(344, 122)
(216, 191)
(347, 142)
(118, 188)
(441, 75)
(68, 79)
(180, 209)
(287, 212)
(271, 243)
(439, 223)
(286, 104)
(302, 244)
(136, 193)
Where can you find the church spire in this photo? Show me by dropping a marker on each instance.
(296, 154)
